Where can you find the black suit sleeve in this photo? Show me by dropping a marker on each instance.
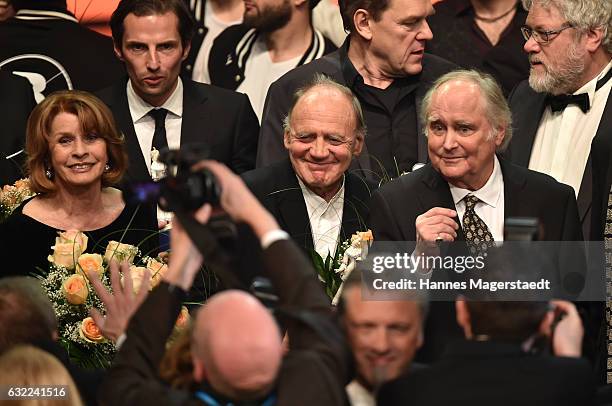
(381, 220)
(271, 147)
(245, 137)
(133, 378)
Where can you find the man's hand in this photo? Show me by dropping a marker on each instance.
(122, 303)
(435, 224)
(568, 333)
(185, 258)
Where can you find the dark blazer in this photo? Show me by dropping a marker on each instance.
(222, 119)
(395, 207)
(16, 103)
(280, 99)
(277, 188)
(493, 373)
(527, 109)
(313, 372)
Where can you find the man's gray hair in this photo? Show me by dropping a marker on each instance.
(496, 108)
(583, 14)
(322, 80)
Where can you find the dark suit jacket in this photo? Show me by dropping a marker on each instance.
(222, 119)
(527, 109)
(277, 188)
(314, 371)
(280, 98)
(16, 103)
(396, 205)
(493, 373)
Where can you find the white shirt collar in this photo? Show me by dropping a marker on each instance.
(27, 14)
(488, 194)
(316, 201)
(140, 108)
(358, 395)
(589, 88)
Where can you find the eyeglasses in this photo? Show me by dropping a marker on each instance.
(543, 37)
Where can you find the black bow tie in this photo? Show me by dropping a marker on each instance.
(560, 102)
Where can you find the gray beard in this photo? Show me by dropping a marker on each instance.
(562, 81)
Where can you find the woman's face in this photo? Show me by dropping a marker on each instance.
(77, 159)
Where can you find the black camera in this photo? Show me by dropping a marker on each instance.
(181, 188)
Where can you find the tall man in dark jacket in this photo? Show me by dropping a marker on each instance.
(384, 64)
(155, 108)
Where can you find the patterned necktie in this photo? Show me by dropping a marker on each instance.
(608, 256)
(477, 234)
(159, 136)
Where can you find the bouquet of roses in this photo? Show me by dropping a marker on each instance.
(335, 270)
(68, 286)
(11, 196)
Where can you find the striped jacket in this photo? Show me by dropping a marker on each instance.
(231, 50)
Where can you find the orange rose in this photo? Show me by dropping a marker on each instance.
(90, 264)
(90, 332)
(137, 273)
(120, 252)
(75, 289)
(73, 236)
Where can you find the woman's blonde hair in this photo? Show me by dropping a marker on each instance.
(94, 117)
(26, 366)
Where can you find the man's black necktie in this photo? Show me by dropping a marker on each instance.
(159, 136)
(560, 102)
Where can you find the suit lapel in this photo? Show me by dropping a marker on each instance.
(355, 208)
(439, 195)
(527, 123)
(137, 169)
(585, 195)
(194, 120)
(291, 207)
(514, 183)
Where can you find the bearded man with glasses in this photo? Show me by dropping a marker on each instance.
(563, 115)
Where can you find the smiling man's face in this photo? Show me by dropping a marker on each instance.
(460, 140)
(322, 140)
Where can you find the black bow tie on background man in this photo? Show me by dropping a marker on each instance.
(560, 102)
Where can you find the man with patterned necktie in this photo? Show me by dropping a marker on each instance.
(466, 192)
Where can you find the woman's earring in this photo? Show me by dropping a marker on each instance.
(49, 173)
(106, 167)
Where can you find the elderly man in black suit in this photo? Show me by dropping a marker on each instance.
(155, 108)
(310, 193)
(383, 61)
(466, 192)
(563, 114)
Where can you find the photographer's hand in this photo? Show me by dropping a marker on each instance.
(185, 259)
(122, 303)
